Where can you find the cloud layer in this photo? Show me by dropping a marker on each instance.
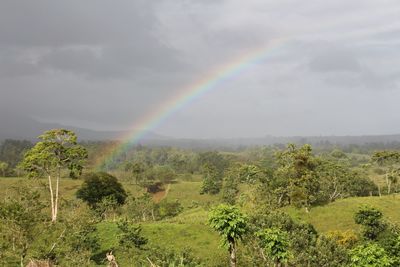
(105, 65)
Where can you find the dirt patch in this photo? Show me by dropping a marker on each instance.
(160, 195)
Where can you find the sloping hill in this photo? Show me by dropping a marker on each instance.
(339, 215)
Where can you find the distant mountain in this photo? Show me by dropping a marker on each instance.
(28, 128)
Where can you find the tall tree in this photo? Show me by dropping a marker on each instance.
(276, 244)
(297, 167)
(3, 167)
(389, 160)
(212, 181)
(57, 150)
(231, 225)
(19, 217)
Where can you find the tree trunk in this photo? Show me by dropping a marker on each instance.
(56, 200)
(51, 199)
(379, 190)
(232, 253)
(388, 183)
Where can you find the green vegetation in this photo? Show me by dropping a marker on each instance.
(98, 186)
(276, 245)
(231, 225)
(57, 150)
(161, 206)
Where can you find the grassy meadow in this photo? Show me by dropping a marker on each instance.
(189, 229)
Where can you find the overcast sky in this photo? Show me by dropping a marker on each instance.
(105, 64)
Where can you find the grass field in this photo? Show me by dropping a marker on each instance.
(335, 216)
(189, 229)
(339, 215)
(199, 238)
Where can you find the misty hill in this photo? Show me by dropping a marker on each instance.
(28, 128)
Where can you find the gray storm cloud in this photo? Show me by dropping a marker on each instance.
(106, 64)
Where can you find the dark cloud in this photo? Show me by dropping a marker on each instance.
(106, 64)
(95, 38)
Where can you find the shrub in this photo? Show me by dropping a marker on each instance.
(100, 185)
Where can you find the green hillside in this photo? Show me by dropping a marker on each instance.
(339, 215)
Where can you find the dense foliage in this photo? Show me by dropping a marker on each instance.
(166, 206)
(98, 186)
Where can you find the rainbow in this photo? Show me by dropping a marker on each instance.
(186, 96)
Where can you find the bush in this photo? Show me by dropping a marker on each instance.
(369, 255)
(360, 187)
(371, 220)
(101, 185)
(167, 209)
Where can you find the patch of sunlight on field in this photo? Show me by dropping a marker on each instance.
(339, 215)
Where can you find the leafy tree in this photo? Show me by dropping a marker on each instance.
(107, 207)
(391, 243)
(100, 185)
(338, 154)
(164, 174)
(276, 245)
(212, 182)
(230, 189)
(165, 208)
(57, 150)
(137, 169)
(297, 167)
(303, 237)
(19, 220)
(371, 220)
(215, 160)
(337, 180)
(346, 239)
(327, 252)
(141, 208)
(233, 177)
(333, 177)
(72, 241)
(359, 186)
(161, 256)
(388, 159)
(231, 225)
(369, 255)
(249, 173)
(3, 168)
(130, 236)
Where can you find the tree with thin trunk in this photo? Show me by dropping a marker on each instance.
(58, 150)
(3, 167)
(390, 160)
(231, 225)
(276, 245)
